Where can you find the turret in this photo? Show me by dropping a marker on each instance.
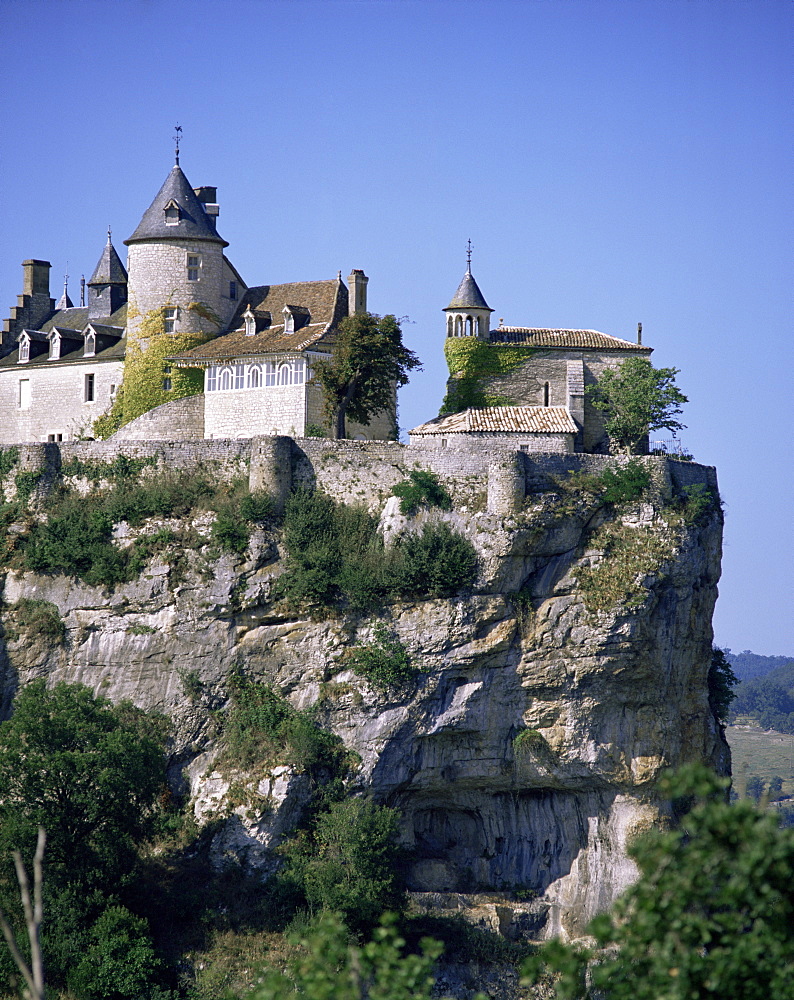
(468, 314)
(107, 289)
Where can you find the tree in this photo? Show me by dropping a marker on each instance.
(710, 915)
(721, 682)
(637, 398)
(369, 361)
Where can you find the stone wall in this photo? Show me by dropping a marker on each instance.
(57, 399)
(183, 418)
(238, 413)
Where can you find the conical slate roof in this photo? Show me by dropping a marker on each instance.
(109, 270)
(194, 223)
(468, 295)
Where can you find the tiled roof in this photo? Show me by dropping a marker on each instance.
(324, 301)
(194, 223)
(468, 295)
(498, 419)
(538, 337)
(109, 269)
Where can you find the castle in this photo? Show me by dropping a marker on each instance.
(178, 347)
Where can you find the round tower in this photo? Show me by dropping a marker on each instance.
(468, 314)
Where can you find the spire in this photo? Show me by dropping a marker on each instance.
(109, 269)
(468, 295)
(64, 302)
(176, 214)
(468, 256)
(107, 288)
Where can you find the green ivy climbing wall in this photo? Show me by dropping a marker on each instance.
(472, 364)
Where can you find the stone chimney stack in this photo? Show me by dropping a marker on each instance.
(36, 277)
(34, 306)
(208, 196)
(357, 291)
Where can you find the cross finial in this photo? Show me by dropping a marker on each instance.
(177, 140)
(468, 256)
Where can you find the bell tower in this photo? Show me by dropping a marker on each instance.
(468, 314)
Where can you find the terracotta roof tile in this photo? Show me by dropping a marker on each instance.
(498, 419)
(540, 337)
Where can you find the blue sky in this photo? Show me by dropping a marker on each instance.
(612, 162)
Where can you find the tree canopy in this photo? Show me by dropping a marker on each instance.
(710, 916)
(637, 398)
(369, 360)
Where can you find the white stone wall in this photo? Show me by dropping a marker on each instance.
(158, 277)
(57, 400)
(241, 413)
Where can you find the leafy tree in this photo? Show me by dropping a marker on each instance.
(755, 787)
(330, 967)
(369, 360)
(119, 962)
(710, 916)
(721, 682)
(348, 862)
(637, 398)
(775, 788)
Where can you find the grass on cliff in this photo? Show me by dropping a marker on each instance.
(75, 534)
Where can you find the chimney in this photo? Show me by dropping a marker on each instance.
(357, 295)
(639, 333)
(208, 196)
(36, 277)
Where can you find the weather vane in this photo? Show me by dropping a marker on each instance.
(109, 232)
(177, 140)
(468, 255)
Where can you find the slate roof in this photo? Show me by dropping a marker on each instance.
(324, 301)
(77, 318)
(500, 419)
(111, 342)
(194, 223)
(539, 337)
(468, 295)
(109, 269)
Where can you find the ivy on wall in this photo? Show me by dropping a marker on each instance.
(472, 364)
(146, 364)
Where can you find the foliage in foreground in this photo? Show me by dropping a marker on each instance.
(637, 398)
(329, 966)
(710, 916)
(91, 774)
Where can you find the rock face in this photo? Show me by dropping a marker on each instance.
(525, 755)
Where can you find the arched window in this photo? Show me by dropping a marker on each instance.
(226, 381)
(450, 327)
(55, 347)
(90, 345)
(24, 350)
(479, 326)
(285, 374)
(469, 326)
(254, 377)
(458, 326)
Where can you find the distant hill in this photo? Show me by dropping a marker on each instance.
(768, 698)
(747, 665)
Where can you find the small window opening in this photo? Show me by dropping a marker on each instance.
(193, 265)
(24, 394)
(24, 350)
(89, 388)
(546, 394)
(166, 379)
(90, 345)
(233, 291)
(172, 214)
(55, 348)
(112, 391)
(250, 322)
(169, 318)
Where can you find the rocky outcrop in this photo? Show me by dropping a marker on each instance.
(525, 755)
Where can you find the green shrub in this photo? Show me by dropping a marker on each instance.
(119, 962)
(384, 662)
(315, 431)
(626, 482)
(256, 506)
(8, 459)
(348, 862)
(228, 531)
(697, 504)
(26, 483)
(36, 617)
(435, 563)
(421, 489)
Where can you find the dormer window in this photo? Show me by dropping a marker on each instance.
(24, 350)
(289, 320)
(250, 322)
(55, 347)
(172, 213)
(90, 346)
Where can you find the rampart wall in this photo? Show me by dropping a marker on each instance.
(365, 472)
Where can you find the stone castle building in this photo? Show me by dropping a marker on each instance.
(176, 346)
(199, 353)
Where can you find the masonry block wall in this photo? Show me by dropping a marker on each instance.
(181, 418)
(45, 400)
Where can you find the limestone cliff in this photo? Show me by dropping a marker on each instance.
(524, 757)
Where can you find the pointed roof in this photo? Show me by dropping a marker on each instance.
(193, 224)
(109, 270)
(468, 295)
(64, 302)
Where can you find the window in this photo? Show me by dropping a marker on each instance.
(270, 373)
(545, 393)
(254, 377)
(233, 291)
(24, 394)
(250, 322)
(90, 346)
(193, 265)
(225, 381)
(212, 379)
(24, 350)
(298, 369)
(166, 379)
(55, 437)
(89, 389)
(55, 347)
(285, 374)
(170, 316)
(239, 376)
(172, 214)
